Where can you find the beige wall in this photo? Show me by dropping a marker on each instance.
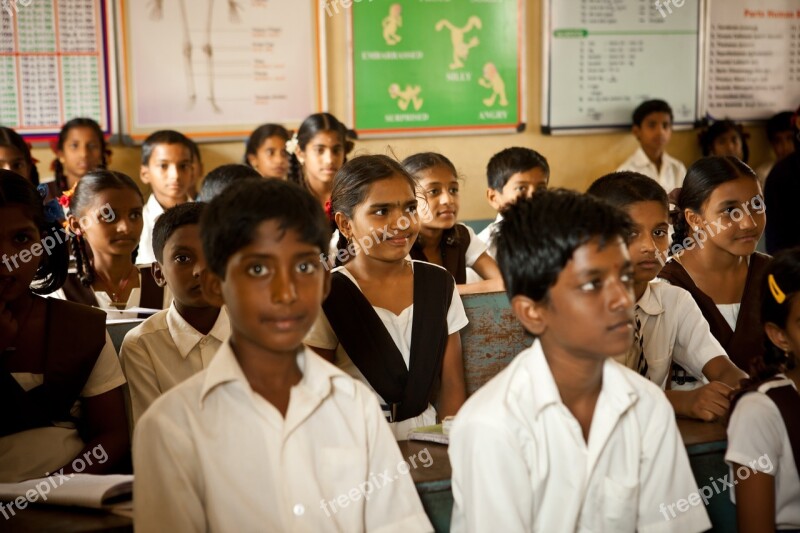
(575, 160)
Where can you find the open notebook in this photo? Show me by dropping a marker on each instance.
(83, 490)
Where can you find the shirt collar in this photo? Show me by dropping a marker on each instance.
(319, 376)
(650, 302)
(641, 160)
(186, 337)
(538, 383)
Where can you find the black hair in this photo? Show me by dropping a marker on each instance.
(195, 148)
(80, 122)
(779, 123)
(776, 302)
(86, 191)
(9, 137)
(173, 218)
(719, 128)
(261, 134)
(312, 125)
(705, 175)
(622, 189)
(167, 137)
(221, 177)
(418, 163)
(651, 106)
(52, 271)
(230, 221)
(510, 161)
(351, 185)
(539, 235)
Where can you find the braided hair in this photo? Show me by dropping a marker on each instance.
(311, 126)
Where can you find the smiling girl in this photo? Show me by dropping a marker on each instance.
(388, 321)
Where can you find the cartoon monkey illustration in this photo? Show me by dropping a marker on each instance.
(460, 47)
(408, 95)
(491, 80)
(391, 24)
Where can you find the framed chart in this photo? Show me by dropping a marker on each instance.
(419, 68)
(214, 69)
(56, 63)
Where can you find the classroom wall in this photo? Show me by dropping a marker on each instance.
(575, 160)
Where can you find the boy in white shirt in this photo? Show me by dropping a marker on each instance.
(652, 127)
(566, 439)
(511, 173)
(670, 325)
(176, 343)
(168, 167)
(270, 437)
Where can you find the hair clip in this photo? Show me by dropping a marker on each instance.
(66, 198)
(329, 210)
(776, 291)
(291, 144)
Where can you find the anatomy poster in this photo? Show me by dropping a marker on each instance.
(217, 68)
(447, 66)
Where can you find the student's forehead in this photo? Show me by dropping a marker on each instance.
(326, 138)
(10, 152)
(171, 151)
(119, 198)
(271, 237)
(739, 190)
(658, 116)
(81, 132)
(15, 218)
(533, 175)
(390, 190)
(185, 236)
(647, 209)
(610, 255)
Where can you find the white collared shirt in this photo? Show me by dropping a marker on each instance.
(520, 461)
(165, 350)
(489, 236)
(152, 210)
(213, 455)
(674, 328)
(670, 176)
(757, 436)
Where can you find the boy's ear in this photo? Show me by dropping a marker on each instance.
(326, 283)
(144, 174)
(529, 313)
(491, 197)
(777, 336)
(158, 274)
(212, 288)
(636, 130)
(343, 223)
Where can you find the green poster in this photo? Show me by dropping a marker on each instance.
(436, 65)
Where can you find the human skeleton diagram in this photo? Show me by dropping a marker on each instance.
(461, 48)
(391, 24)
(409, 95)
(491, 80)
(156, 13)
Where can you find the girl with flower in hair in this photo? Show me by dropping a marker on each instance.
(764, 428)
(60, 379)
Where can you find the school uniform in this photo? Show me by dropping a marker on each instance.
(489, 236)
(670, 176)
(520, 461)
(736, 326)
(673, 329)
(213, 455)
(460, 249)
(39, 423)
(413, 378)
(758, 438)
(152, 210)
(165, 350)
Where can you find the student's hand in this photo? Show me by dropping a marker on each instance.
(710, 402)
(8, 327)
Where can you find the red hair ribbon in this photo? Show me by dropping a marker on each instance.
(329, 210)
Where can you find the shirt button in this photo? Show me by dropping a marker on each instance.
(298, 509)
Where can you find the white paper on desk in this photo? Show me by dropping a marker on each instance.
(83, 490)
